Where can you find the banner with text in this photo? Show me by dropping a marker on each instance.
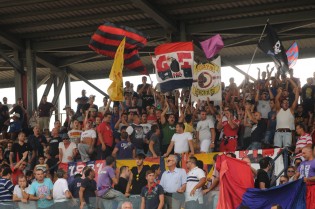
(207, 81)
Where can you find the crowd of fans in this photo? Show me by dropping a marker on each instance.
(273, 111)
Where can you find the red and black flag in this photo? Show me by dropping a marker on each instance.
(272, 46)
(107, 38)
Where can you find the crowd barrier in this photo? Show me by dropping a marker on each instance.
(209, 199)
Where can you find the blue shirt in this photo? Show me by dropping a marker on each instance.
(172, 181)
(6, 190)
(43, 188)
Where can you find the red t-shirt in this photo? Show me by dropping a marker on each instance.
(107, 133)
(227, 130)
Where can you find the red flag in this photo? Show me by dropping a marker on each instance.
(235, 178)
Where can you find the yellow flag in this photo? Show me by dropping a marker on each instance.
(115, 90)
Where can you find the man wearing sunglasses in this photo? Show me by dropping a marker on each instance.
(173, 182)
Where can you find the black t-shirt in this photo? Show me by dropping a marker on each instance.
(54, 146)
(90, 188)
(18, 109)
(138, 180)
(122, 185)
(35, 143)
(147, 100)
(258, 131)
(18, 151)
(152, 199)
(299, 117)
(74, 187)
(4, 114)
(262, 176)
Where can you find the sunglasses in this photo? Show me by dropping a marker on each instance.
(290, 171)
(169, 161)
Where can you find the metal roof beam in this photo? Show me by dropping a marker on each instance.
(15, 65)
(49, 62)
(68, 43)
(77, 59)
(160, 18)
(218, 26)
(11, 41)
(77, 75)
(101, 17)
(249, 9)
(37, 12)
(91, 29)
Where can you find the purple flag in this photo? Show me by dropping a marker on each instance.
(212, 46)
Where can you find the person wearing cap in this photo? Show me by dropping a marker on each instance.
(44, 113)
(67, 150)
(14, 127)
(61, 192)
(88, 138)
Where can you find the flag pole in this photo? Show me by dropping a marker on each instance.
(251, 61)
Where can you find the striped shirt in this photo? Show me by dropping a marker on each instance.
(302, 141)
(193, 178)
(6, 190)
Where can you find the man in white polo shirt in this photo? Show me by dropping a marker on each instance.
(61, 192)
(205, 132)
(181, 141)
(195, 180)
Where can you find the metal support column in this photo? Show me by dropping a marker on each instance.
(58, 84)
(48, 86)
(68, 89)
(17, 75)
(31, 79)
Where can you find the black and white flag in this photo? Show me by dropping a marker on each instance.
(272, 46)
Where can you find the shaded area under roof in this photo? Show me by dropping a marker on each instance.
(59, 31)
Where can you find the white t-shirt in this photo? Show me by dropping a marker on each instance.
(263, 107)
(203, 127)
(88, 134)
(146, 127)
(18, 192)
(67, 152)
(59, 190)
(181, 142)
(193, 178)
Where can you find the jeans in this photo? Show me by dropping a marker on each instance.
(283, 139)
(112, 198)
(84, 152)
(194, 204)
(135, 200)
